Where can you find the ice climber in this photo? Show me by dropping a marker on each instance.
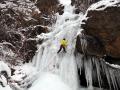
(63, 45)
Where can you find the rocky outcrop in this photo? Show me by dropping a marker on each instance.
(48, 10)
(20, 22)
(89, 45)
(100, 38)
(104, 27)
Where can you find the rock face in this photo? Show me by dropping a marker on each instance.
(20, 22)
(104, 25)
(100, 37)
(89, 45)
(48, 9)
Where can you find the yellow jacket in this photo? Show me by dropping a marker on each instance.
(64, 42)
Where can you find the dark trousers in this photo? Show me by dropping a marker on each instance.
(62, 47)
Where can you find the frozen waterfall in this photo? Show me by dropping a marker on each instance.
(63, 64)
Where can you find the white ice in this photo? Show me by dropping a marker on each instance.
(63, 64)
(65, 2)
(49, 81)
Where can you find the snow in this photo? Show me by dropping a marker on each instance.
(49, 81)
(113, 65)
(2, 5)
(65, 2)
(28, 72)
(37, 10)
(103, 4)
(3, 80)
(4, 67)
(21, 71)
(5, 88)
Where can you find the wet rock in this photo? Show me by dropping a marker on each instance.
(104, 25)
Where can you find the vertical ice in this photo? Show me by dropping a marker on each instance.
(63, 64)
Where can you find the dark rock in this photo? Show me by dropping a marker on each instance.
(18, 30)
(33, 32)
(14, 38)
(112, 60)
(12, 71)
(89, 45)
(104, 25)
(47, 7)
(60, 9)
(78, 45)
(82, 78)
(28, 49)
(101, 32)
(48, 10)
(37, 31)
(77, 11)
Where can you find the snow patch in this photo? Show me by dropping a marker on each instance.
(4, 67)
(103, 4)
(49, 81)
(5, 88)
(65, 2)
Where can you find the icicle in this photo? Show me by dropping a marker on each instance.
(83, 43)
(113, 79)
(88, 70)
(105, 70)
(79, 62)
(98, 69)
